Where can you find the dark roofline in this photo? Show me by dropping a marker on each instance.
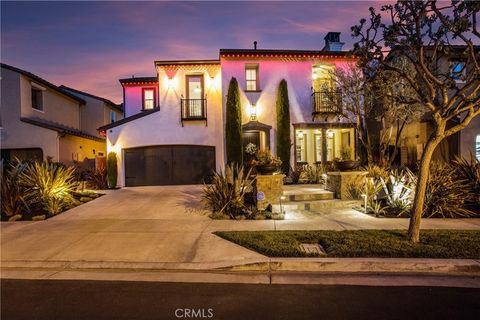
(61, 129)
(42, 81)
(109, 102)
(128, 119)
(281, 52)
(139, 80)
(185, 62)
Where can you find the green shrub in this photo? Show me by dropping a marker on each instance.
(112, 170)
(377, 172)
(98, 178)
(469, 170)
(447, 193)
(399, 190)
(49, 185)
(296, 173)
(283, 126)
(233, 124)
(13, 201)
(313, 174)
(225, 195)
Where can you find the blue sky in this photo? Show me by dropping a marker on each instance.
(90, 45)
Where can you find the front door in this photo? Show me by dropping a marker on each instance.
(250, 137)
(194, 96)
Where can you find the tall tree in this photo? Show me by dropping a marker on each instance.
(423, 33)
(284, 142)
(233, 124)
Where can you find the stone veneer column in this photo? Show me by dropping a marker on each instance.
(271, 187)
(338, 182)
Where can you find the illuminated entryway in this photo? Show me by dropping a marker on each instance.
(317, 143)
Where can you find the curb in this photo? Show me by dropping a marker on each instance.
(364, 266)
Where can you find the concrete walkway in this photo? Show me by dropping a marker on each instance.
(163, 228)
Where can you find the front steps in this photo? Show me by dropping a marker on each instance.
(311, 197)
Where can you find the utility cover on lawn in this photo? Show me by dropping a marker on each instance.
(313, 248)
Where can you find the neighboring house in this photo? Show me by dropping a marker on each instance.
(415, 135)
(41, 121)
(96, 112)
(173, 132)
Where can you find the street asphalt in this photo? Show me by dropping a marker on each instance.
(61, 299)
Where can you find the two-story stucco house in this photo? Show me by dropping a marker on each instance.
(451, 64)
(173, 132)
(40, 120)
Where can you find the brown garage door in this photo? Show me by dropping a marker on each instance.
(168, 165)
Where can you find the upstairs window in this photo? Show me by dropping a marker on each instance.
(148, 99)
(113, 116)
(251, 77)
(458, 70)
(37, 99)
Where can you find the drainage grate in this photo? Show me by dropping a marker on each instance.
(312, 248)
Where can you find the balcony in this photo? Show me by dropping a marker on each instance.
(327, 102)
(193, 110)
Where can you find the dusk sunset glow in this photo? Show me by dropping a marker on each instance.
(90, 45)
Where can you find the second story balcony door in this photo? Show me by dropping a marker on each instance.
(195, 97)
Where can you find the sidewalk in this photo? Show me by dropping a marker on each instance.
(158, 232)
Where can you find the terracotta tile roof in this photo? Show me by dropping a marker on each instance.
(128, 119)
(282, 52)
(44, 82)
(138, 80)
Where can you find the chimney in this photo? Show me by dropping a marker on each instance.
(332, 42)
(255, 45)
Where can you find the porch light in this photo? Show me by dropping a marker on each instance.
(171, 83)
(329, 133)
(253, 112)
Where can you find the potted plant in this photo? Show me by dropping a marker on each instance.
(346, 163)
(265, 162)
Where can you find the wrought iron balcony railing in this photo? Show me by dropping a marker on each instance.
(193, 109)
(327, 102)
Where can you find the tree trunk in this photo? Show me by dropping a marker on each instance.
(420, 190)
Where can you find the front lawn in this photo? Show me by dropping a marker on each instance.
(450, 244)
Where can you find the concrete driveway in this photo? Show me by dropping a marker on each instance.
(142, 224)
(164, 227)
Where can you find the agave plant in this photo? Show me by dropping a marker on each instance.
(399, 189)
(225, 195)
(13, 200)
(49, 185)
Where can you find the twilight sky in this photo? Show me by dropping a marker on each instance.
(90, 45)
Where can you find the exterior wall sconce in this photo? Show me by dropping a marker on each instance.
(171, 83)
(253, 112)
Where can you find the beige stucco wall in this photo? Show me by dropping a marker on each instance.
(74, 148)
(56, 107)
(164, 127)
(94, 114)
(16, 134)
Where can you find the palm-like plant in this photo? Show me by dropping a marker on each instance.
(13, 201)
(447, 193)
(226, 193)
(470, 171)
(48, 184)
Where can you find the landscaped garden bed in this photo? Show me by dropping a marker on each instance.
(41, 190)
(441, 244)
